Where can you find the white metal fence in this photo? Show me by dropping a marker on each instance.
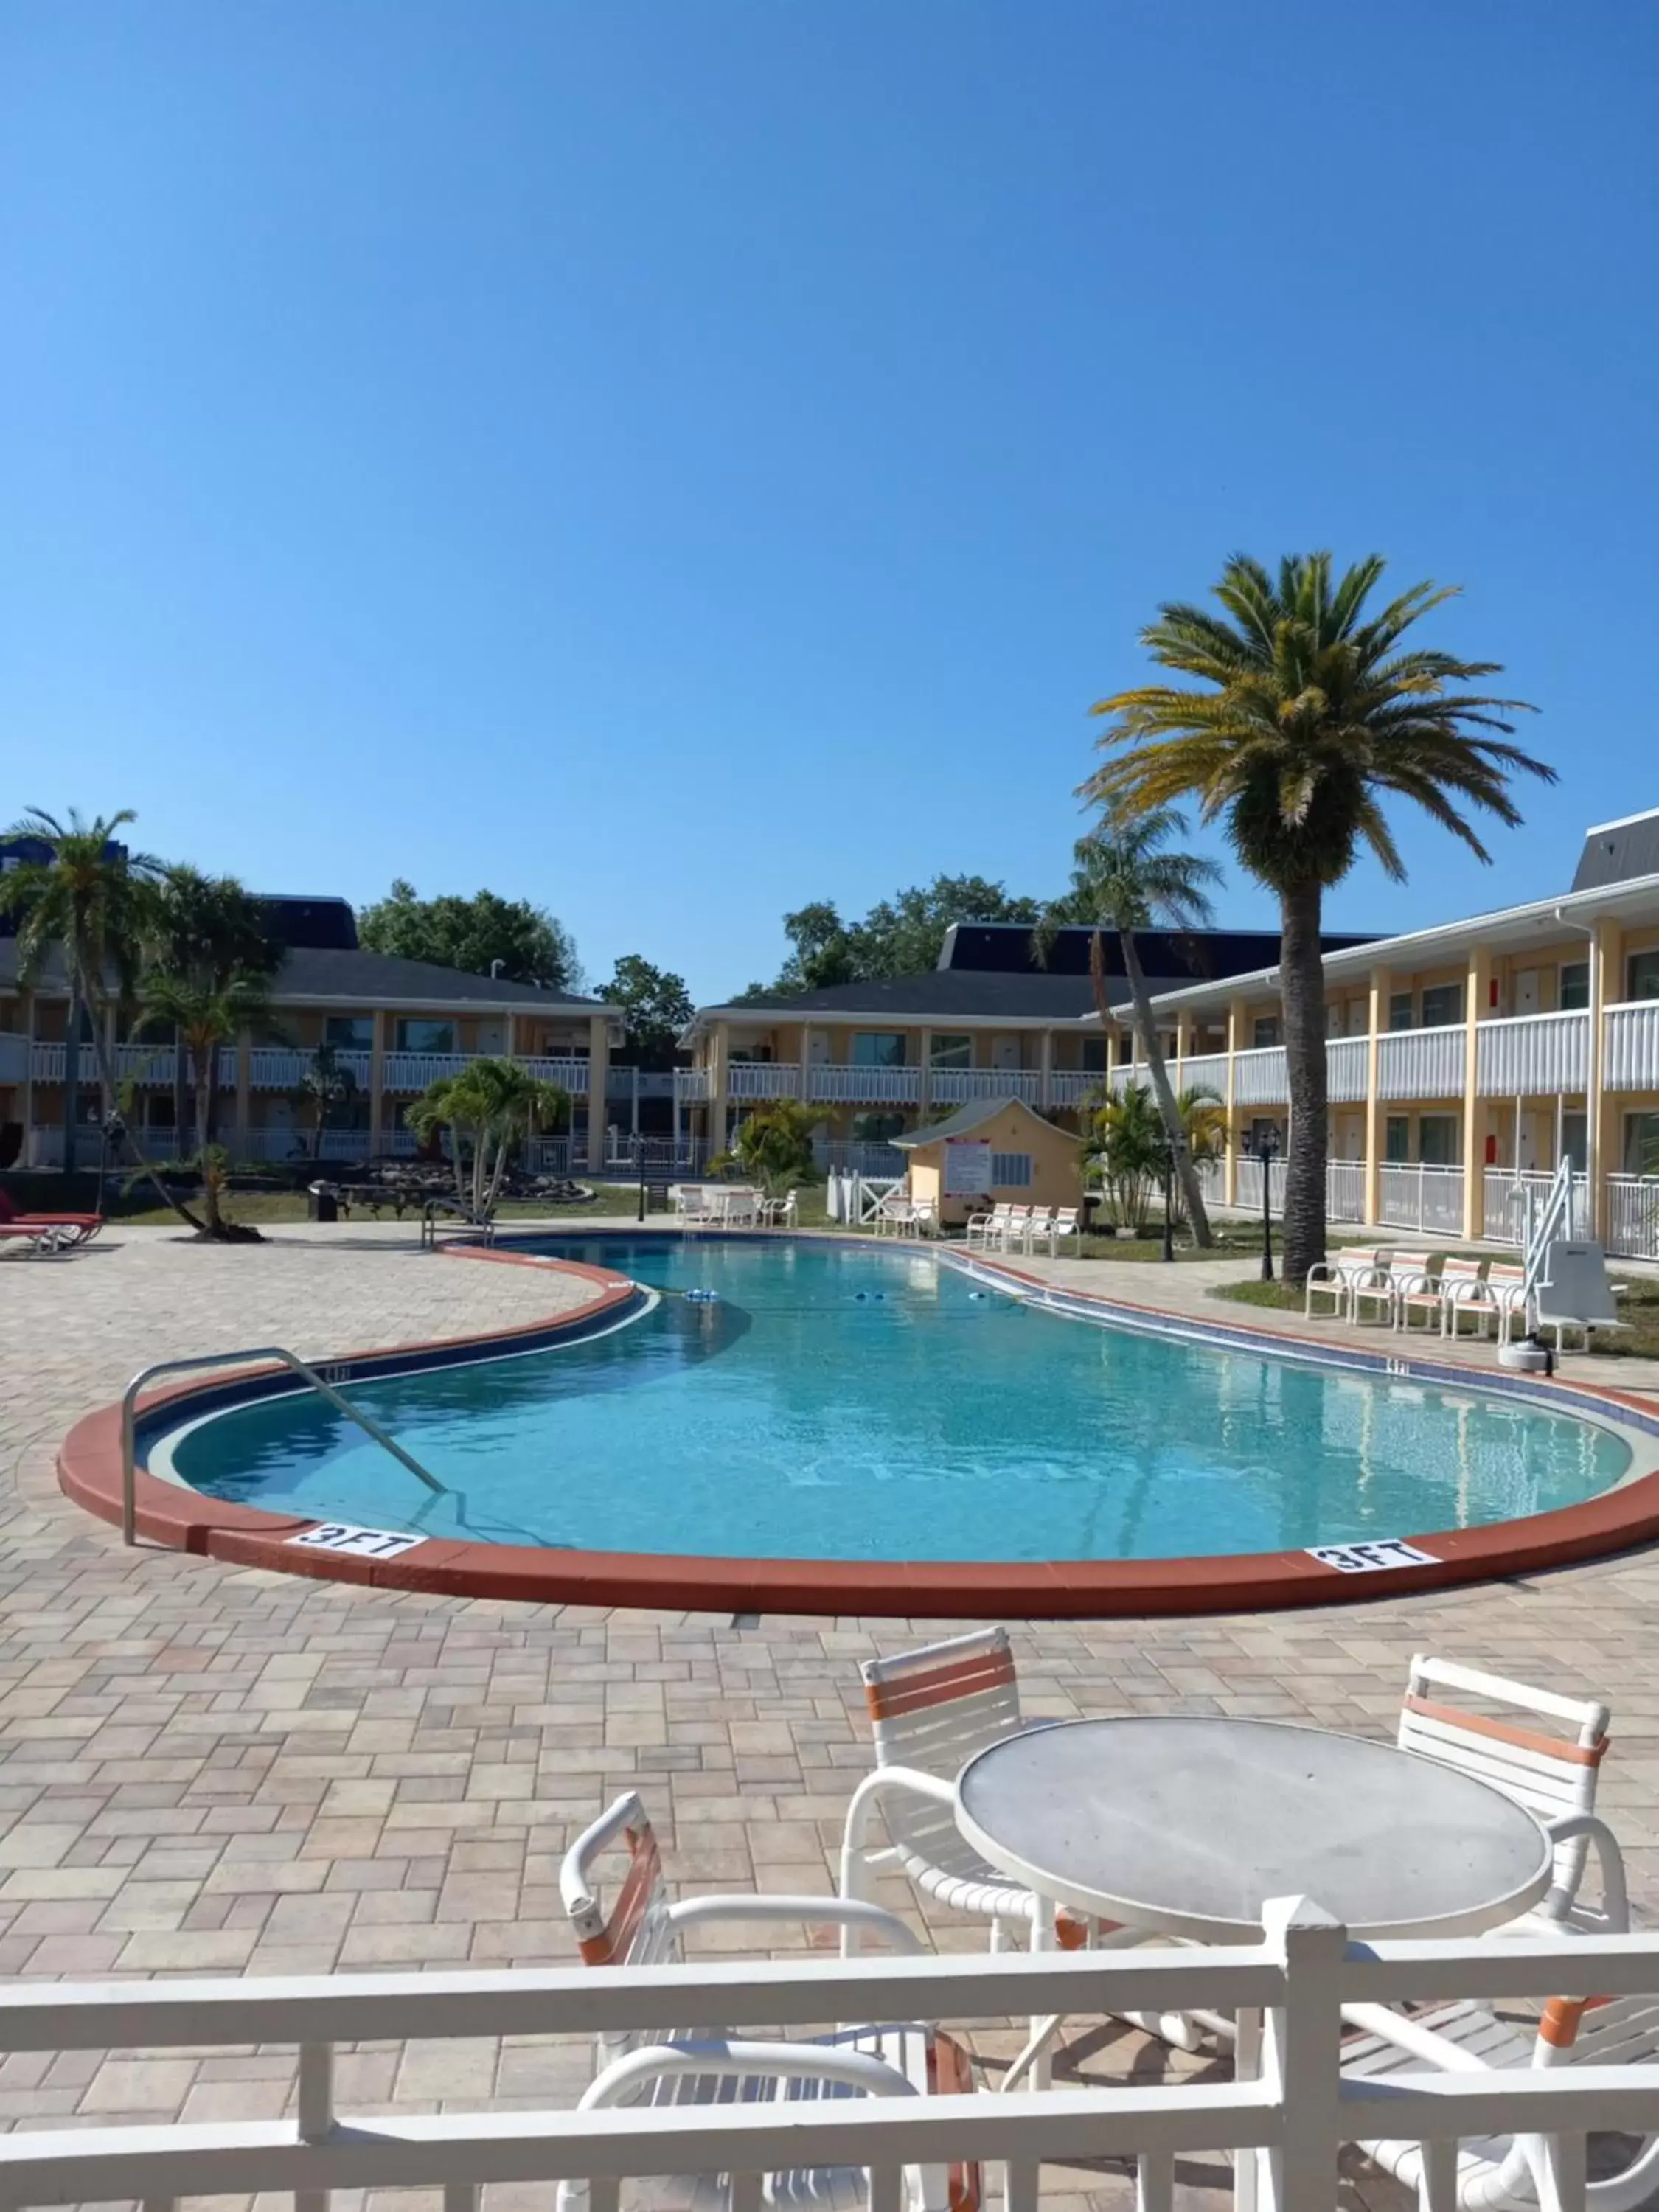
(1633, 1216)
(1505, 1203)
(1423, 1197)
(1283, 2116)
(1345, 1191)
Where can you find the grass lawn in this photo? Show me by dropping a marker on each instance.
(266, 1209)
(1640, 1307)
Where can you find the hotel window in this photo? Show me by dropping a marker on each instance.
(1642, 1144)
(878, 1049)
(1011, 1170)
(1265, 1031)
(353, 1032)
(1575, 986)
(950, 1052)
(1400, 1011)
(418, 1033)
(1438, 1139)
(1397, 1139)
(1642, 975)
(1443, 1006)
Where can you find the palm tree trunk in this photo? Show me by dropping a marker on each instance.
(106, 1077)
(1302, 988)
(72, 1080)
(1181, 1152)
(201, 1075)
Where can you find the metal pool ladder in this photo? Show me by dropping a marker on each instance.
(265, 1352)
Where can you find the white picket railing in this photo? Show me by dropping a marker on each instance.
(690, 1086)
(1633, 1216)
(1423, 1197)
(1075, 1086)
(955, 1086)
(1285, 2116)
(1532, 1055)
(1504, 1202)
(139, 1062)
(1631, 1036)
(1260, 1077)
(1347, 1068)
(1203, 1072)
(1249, 1186)
(866, 1086)
(762, 1079)
(1345, 1190)
(1422, 1063)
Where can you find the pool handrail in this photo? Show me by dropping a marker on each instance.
(265, 1352)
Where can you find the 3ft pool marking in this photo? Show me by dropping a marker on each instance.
(366, 1543)
(1371, 1558)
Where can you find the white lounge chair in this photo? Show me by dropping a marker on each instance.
(1507, 2173)
(1014, 1224)
(1462, 1289)
(1552, 1769)
(1064, 1224)
(779, 1212)
(1037, 1222)
(643, 1929)
(1414, 1286)
(984, 1227)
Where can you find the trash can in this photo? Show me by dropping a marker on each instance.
(325, 1203)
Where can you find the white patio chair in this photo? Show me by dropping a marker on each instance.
(1506, 1299)
(1507, 2173)
(1064, 1224)
(981, 1227)
(1037, 1223)
(643, 1929)
(1414, 1286)
(1553, 1773)
(778, 1212)
(1462, 1289)
(1336, 1280)
(932, 1710)
(1015, 1223)
(1377, 1289)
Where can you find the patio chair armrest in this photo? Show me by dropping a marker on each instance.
(847, 1913)
(1615, 1898)
(1411, 1280)
(883, 1782)
(803, 2062)
(1414, 2040)
(1464, 1290)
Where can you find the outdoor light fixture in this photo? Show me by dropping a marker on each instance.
(1266, 1150)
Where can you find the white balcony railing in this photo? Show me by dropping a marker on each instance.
(1347, 1069)
(762, 1079)
(1532, 1055)
(1422, 1197)
(1422, 1063)
(864, 1086)
(1285, 2121)
(1075, 1086)
(1204, 1072)
(1632, 1035)
(133, 1063)
(955, 1086)
(1345, 1190)
(690, 1086)
(1260, 1078)
(1633, 1216)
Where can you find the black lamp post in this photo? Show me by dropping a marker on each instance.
(1266, 1150)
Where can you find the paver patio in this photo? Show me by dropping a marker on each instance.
(208, 1769)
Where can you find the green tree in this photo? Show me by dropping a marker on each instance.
(773, 1145)
(903, 935)
(1307, 715)
(1123, 880)
(202, 1016)
(324, 1083)
(656, 1004)
(473, 934)
(488, 1108)
(207, 935)
(1127, 1148)
(93, 900)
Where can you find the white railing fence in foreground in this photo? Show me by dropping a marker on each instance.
(1293, 2111)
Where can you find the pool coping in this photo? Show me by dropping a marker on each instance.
(90, 1473)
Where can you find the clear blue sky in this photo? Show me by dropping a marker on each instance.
(677, 460)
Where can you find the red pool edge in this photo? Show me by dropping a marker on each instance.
(90, 1472)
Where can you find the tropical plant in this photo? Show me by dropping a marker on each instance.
(1122, 880)
(91, 900)
(773, 1145)
(1203, 1116)
(488, 1108)
(209, 935)
(1127, 1149)
(325, 1082)
(201, 1019)
(1307, 716)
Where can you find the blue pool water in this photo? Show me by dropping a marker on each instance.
(845, 1402)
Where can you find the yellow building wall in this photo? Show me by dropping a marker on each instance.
(1056, 1166)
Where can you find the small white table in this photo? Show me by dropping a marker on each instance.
(1186, 1825)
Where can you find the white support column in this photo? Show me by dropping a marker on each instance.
(925, 1075)
(598, 1071)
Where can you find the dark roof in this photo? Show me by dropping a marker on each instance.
(978, 1110)
(1169, 957)
(368, 978)
(325, 924)
(941, 992)
(1617, 852)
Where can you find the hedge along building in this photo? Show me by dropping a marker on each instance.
(995, 1151)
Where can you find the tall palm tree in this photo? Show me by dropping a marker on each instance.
(207, 935)
(202, 1019)
(92, 901)
(1308, 716)
(487, 1108)
(1123, 880)
(325, 1081)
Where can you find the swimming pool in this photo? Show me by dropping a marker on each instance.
(840, 1401)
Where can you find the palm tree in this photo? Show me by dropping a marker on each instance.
(209, 934)
(1307, 716)
(1121, 880)
(94, 901)
(775, 1143)
(1128, 1143)
(324, 1081)
(202, 1019)
(487, 1108)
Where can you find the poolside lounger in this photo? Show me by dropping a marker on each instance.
(684, 2067)
(982, 1227)
(1064, 1224)
(1013, 1233)
(38, 1240)
(1541, 1748)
